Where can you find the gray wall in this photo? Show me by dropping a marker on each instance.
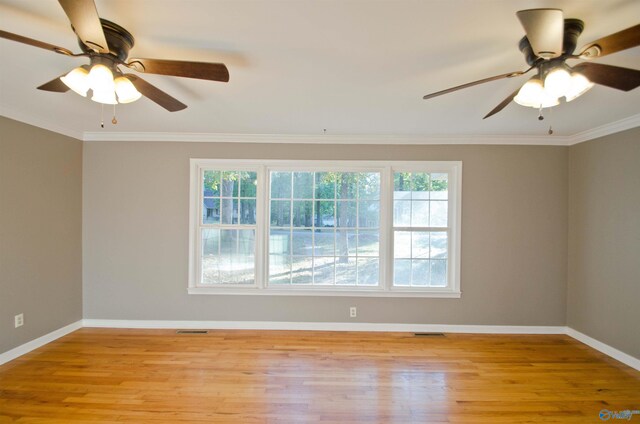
(40, 231)
(604, 240)
(514, 243)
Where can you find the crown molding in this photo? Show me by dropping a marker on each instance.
(43, 123)
(624, 124)
(326, 139)
(498, 139)
(535, 140)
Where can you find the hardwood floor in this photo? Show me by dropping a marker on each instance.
(157, 376)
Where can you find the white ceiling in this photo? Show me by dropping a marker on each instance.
(354, 67)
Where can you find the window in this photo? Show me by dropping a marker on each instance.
(324, 228)
(363, 228)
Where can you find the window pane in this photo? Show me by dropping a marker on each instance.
(303, 185)
(325, 185)
(346, 243)
(323, 271)
(420, 272)
(438, 245)
(279, 241)
(368, 271)
(368, 243)
(326, 218)
(401, 185)
(402, 244)
(280, 213)
(248, 184)
(279, 269)
(324, 243)
(419, 244)
(229, 185)
(301, 270)
(229, 211)
(402, 213)
(438, 216)
(210, 242)
(346, 213)
(420, 213)
(247, 211)
(438, 273)
(237, 260)
(420, 185)
(369, 214)
(280, 185)
(402, 272)
(346, 271)
(325, 214)
(210, 211)
(346, 185)
(302, 242)
(369, 185)
(302, 213)
(211, 184)
(210, 258)
(439, 186)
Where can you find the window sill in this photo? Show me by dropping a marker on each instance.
(323, 292)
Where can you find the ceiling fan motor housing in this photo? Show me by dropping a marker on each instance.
(572, 30)
(120, 40)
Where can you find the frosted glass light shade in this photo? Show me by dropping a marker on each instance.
(77, 80)
(107, 97)
(578, 85)
(557, 82)
(101, 79)
(530, 93)
(126, 91)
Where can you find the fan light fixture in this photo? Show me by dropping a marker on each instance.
(101, 82)
(559, 82)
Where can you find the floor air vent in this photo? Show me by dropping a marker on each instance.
(192, 331)
(428, 334)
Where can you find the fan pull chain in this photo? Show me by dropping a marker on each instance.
(101, 115)
(540, 116)
(114, 120)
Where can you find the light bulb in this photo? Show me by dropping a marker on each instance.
(578, 85)
(77, 80)
(101, 79)
(126, 91)
(107, 97)
(530, 93)
(557, 82)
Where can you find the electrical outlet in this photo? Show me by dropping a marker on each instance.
(19, 320)
(353, 312)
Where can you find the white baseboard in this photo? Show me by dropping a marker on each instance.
(605, 348)
(324, 326)
(40, 341)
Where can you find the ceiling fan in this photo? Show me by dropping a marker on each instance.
(107, 46)
(549, 42)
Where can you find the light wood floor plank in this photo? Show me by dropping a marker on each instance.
(157, 376)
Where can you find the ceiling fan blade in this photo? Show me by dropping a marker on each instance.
(616, 42)
(85, 21)
(471, 84)
(624, 79)
(35, 43)
(156, 95)
(179, 68)
(55, 85)
(544, 29)
(502, 104)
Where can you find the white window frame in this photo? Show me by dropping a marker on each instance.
(386, 169)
